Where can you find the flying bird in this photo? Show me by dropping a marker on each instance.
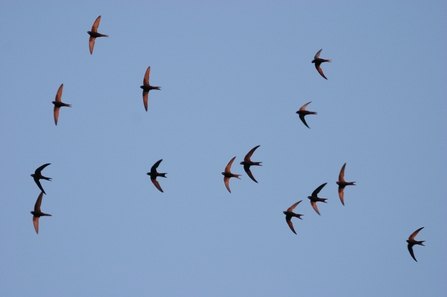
(37, 213)
(227, 174)
(303, 112)
(314, 198)
(342, 184)
(411, 241)
(58, 103)
(94, 34)
(153, 174)
(317, 60)
(290, 214)
(247, 163)
(147, 87)
(37, 175)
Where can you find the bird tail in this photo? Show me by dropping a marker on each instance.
(162, 175)
(236, 176)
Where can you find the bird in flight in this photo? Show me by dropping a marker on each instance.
(247, 163)
(94, 34)
(317, 60)
(154, 174)
(302, 112)
(37, 213)
(58, 104)
(342, 184)
(314, 198)
(147, 87)
(290, 214)
(37, 176)
(227, 174)
(411, 242)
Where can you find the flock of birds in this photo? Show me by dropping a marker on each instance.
(247, 163)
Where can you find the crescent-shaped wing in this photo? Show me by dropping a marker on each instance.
(227, 183)
(413, 235)
(305, 105)
(38, 170)
(154, 167)
(59, 93)
(341, 194)
(36, 224)
(91, 44)
(248, 171)
(228, 167)
(38, 203)
(410, 249)
(248, 155)
(156, 184)
(314, 205)
(317, 55)
(289, 222)
(96, 24)
(341, 176)
(320, 70)
(146, 76)
(303, 120)
(145, 99)
(56, 114)
(291, 208)
(317, 190)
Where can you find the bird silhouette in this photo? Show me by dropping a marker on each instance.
(411, 242)
(314, 198)
(302, 112)
(342, 184)
(58, 103)
(317, 60)
(37, 213)
(247, 163)
(154, 174)
(37, 176)
(94, 34)
(290, 214)
(147, 87)
(227, 174)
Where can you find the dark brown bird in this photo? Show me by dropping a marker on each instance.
(37, 175)
(37, 213)
(302, 112)
(247, 163)
(290, 214)
(411, 241)
(147, 87)
(58, 103)
(227, 174)
(94, 34)
(342, 184)
(317, 60)
(314, 198)
(153, 174)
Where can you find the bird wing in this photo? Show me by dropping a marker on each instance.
(228, 167)
(291, 208)
(146, 76)
(38, 170)
(341, 194)
(36, 224)
(413, 235)
(96, 24)
(289, 222)
(303, 120)
(59, 93)
(56, 114)
(314, 205)
(91, 44)
(342, 174)
(317, 66)
(145, 99)
(317, 190)
(248, 155)
(227, 183)
(156, 184)
(410, 249)
(305, 105)
(38, 203)
(154, 167)
(248, 171)
(317, 55)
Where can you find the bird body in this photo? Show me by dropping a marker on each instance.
(290, 214)
(342, 184)
(37, 176)
(147, 87)
(58, 104)
(227, 174)
(411, 242)
(247, 163)
(317, 61)
(37, 213)
(154, 174)
(314, 198)
(94, 34)
(302, 112)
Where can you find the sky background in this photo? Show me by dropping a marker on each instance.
(232, 76)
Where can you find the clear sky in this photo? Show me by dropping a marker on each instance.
(232, 76)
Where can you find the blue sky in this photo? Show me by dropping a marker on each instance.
(232, 76)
